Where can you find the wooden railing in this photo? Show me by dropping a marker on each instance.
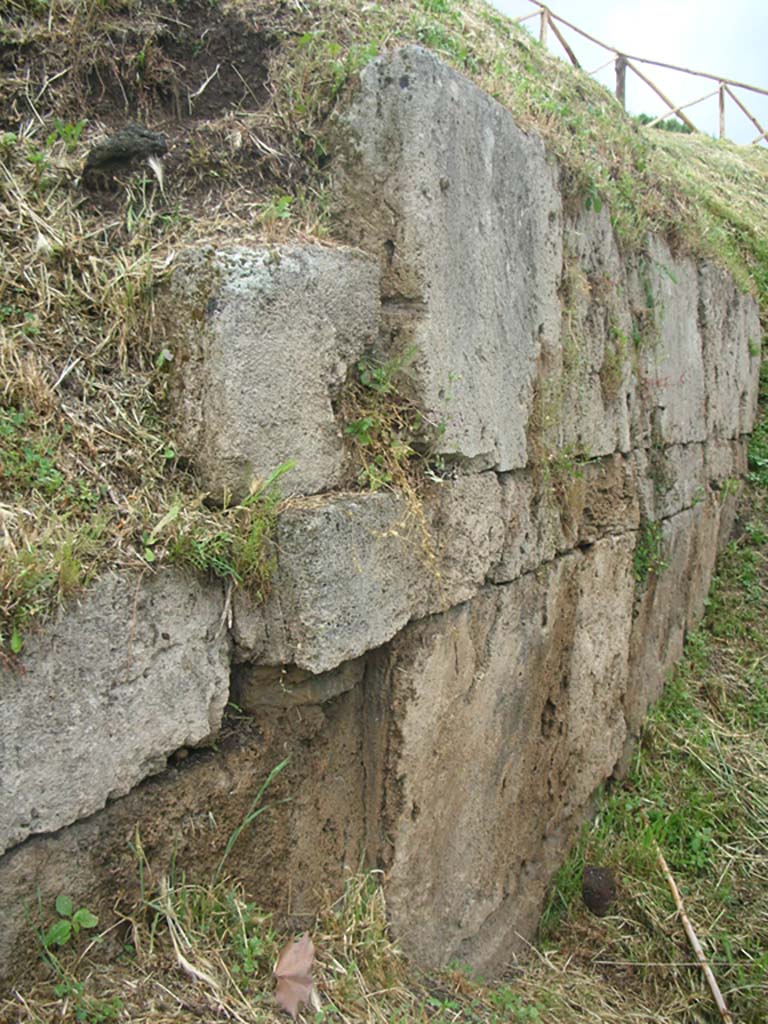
(726, 87)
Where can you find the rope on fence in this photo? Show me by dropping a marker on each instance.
(622, 61)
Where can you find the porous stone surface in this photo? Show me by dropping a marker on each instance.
(670, 602)
(670, 478)
(100, 699)
(470, 250)
(731, 335)
(507, 716)
(588, 386)
(532, 522)
(725, 460)
(671, 376)
(352, 571)
(262, 340)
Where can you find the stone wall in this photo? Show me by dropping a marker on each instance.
(450, 712)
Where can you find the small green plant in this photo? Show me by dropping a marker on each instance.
(593, 200)
(278, 208)
(38, 159)
(235, 544)
(87, 1009)
(648, 556)
(68, 133)
(27, 460)
(389, 431)
(257, 808)
(69, 923)
(614, 363)
(729, 488)
(758, 443)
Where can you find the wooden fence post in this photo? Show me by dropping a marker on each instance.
(621, 79)
(544, 26)
(721, 105)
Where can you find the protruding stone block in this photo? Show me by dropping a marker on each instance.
(463, 211)
(262, 340)
(103, 696)
(353, 570)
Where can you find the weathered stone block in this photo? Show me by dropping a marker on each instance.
(671, 384)
(353, 570)
(589, 372)
(670, 478)
(574, 506)
(262, 341)
(730, 329)
(462, 209)
(532, 526)
(596, 498)
(724, 460)
(671, 601)
(527, 682)
(104, 695)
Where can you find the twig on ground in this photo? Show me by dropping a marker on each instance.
(692, 937)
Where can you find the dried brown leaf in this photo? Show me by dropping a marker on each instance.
(293, 971)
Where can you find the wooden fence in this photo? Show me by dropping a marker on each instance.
(727, 88)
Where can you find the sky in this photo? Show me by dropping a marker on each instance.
(728, 39)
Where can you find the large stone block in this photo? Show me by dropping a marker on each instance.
(730, 328)
(725, 460)
(588, 374)
(103, 696)
(354, 569)
(462, 209)
(262, 341)
(671, 601)
(671, 389)
(670, 479)
(506, 713)
(532, 526)
(595, 499)
(568, 507)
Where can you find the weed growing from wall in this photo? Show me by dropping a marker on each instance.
(394, 442)
(648, 557)
(393, 439)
